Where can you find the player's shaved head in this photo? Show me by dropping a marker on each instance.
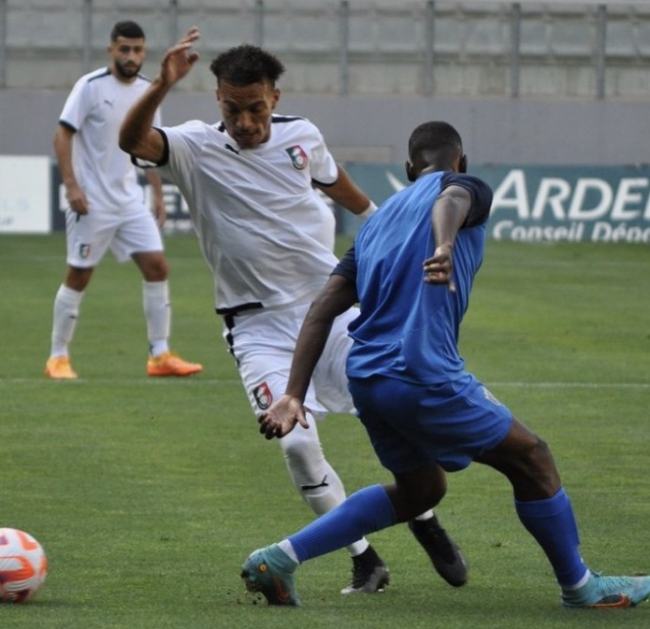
(435, 145)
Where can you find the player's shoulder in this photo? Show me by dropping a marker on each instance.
(99, 75)
(298, 125)
(143, 78)
(464, 180)
(195, 134)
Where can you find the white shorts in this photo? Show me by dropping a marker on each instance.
(263, 342)
(90, 235)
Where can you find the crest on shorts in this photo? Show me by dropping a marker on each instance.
(490, 397)
(298, 157)
(84, 251)
(263, 396)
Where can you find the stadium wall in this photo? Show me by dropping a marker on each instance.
(561, 170)
(375, 129)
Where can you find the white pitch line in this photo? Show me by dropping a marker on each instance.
(229, 382)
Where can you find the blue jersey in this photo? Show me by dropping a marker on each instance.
(408, 329)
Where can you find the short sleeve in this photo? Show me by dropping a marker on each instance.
(76, 106)
(323, 168)
(480, 192)
(347, 266)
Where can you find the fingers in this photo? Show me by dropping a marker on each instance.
(192, 35)
(438, 270)
(269, 428)
(273, 428)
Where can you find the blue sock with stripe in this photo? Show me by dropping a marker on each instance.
(552, 523)
(366, 511)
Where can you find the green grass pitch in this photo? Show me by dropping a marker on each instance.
(148, 494)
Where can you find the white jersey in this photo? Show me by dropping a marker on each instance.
(265, 232)
(95, 110)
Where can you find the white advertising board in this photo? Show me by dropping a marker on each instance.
(25, 194)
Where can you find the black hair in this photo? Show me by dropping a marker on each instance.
(435, 136)
(245, 65)
(127, 29)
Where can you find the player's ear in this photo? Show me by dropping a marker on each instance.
(276, 97)
(410, 171)
(462, 164)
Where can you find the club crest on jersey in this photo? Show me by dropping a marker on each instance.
(298, 157)
(84, 251)
(263, 396)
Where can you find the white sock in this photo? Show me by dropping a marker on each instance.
(427, 515)
(66, 311)
(579, 584)
(157, 312)
(308, 468)
(287, 547)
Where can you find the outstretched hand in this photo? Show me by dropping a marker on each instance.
(282, 417)
(438, 269)
(178, 60)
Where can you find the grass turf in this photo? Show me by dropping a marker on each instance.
(147, 494)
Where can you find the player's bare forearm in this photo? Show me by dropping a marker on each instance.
(347, 194)
(337, 296)
(75, 196)
(137, 136)
(448, 214)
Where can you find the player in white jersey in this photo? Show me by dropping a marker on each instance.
(249, 182)
(106, 204)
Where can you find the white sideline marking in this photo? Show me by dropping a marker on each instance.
(189, 381)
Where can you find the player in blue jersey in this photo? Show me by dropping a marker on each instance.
(250, 182)
(411, 270)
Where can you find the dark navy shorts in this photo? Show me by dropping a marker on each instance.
(410, 424)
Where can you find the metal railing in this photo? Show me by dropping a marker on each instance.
(423, 35)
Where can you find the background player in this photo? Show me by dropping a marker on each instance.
(411, 269)
(106, 204)
(268, 239)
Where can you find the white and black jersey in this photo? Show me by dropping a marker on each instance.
(95, 110)
(264, 230)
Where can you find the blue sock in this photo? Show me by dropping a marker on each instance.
(366, 511)
(552, 523)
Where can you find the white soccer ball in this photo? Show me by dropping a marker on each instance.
(23, 566)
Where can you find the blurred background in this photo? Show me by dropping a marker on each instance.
(528, 84)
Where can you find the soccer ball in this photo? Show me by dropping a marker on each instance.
(23, 566)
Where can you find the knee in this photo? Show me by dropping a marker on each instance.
(537, 455)
(540, 467)
(301, 451)
(77, 278)
(415, 494)
(158, 271)
(154, 267)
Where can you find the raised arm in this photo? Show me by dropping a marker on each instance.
(336, 297)
(137, 135)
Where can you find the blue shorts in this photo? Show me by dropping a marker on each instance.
(410, 425)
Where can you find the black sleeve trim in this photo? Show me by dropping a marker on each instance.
(142, 163)
(68, 126)
(480, 192)
(320, 184)
(347, 266)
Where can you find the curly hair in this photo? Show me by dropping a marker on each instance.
(245, 65)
